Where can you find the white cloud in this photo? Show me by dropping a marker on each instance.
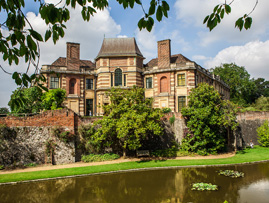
(122, 36)
(253, 56)
(193, 13)
(147, 43)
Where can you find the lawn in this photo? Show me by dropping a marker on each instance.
(244, 156)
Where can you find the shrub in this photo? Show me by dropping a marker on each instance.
(263, 134)
(66, 136)
(172, 119)
(166, 110)
(165, 153)
(204, 186)
(99, 157)
(2, 167)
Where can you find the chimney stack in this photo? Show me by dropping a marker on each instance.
(72, 56)
(164, 54)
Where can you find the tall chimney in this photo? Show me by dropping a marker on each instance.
(164, 53)
(72, 56)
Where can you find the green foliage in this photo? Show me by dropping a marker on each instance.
(166, 110)
(31, 165)
(99, 157)
(204, 186)
(262, 104)
(65, 136)
(207, 117)
(219, 12)
(172, 119)
(85, 132)
(2, 167)
(231, 173)
(30, 98)
(4, 110)
(165, 153)
(53, 99)
(242, 88)
(129, 119)
(263, 134)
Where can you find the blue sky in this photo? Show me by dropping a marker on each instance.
(184, 26)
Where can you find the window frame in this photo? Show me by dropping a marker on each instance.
(181, 84)
(147, 83)
(181, 102)
(54, 82)
(118, 77)
(89, 85)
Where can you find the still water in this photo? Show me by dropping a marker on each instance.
(168, 185)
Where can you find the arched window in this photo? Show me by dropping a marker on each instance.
(72, 86)
(164, 84)
(118, 77)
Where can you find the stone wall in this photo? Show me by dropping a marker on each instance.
(25, 145)
(248, 124)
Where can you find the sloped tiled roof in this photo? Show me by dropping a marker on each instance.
(119, 47)
(61, 61)
(177, 58)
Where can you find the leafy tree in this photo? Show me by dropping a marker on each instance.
(242, 88)
(129, 119)
(262, 87)
(4, 110)
(261, 104)
(263, 134)
(53, 99)
(207, 117)
(30, 98)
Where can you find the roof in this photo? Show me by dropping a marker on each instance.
(119, 47)
(61, 61)
(177, 58)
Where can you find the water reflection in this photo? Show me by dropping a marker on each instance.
(170, 185)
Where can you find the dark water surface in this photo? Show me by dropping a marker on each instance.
(169, 185)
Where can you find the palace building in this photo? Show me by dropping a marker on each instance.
(168, 79)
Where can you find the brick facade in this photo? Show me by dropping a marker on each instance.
(120, 64)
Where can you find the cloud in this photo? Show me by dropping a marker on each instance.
(193, 13)
(122, 36)
(253, 56)
(147, 43)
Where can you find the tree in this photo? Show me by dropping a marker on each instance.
(22, 41)
(53, 99)
(129, 119)
(4, 110)
(207, 117)
(262, 87)
(261, 104)
(242, 88)
(30, 100)
(34, 100)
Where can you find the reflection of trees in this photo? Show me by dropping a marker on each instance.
(144, 186)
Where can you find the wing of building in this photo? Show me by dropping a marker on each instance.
(168, 79)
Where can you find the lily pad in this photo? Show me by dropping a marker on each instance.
(204, 186)
(231, 173)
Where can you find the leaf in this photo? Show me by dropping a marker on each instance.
(228, 9)
(152, 9)
(31, 44)
(239, 23)
(47, 35)
(140, 23)
(36, 35)
(206, 19)
(248, 22)
(222, 14)
(159, 13)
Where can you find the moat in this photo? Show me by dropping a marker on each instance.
(165, 185)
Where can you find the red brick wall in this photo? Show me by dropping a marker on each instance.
(164, 53)
(62, 117)
(118, 61)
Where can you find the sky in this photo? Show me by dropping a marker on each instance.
(184, 26)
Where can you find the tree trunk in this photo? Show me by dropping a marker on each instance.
(124, 153)
(235, 142)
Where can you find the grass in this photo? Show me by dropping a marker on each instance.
(248, 155)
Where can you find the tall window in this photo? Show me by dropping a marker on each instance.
(72, 86)
(181, 80)
(149, 82)
(164, 84)
(89, 84)
(181, 102)
(118, 77)
(111, 79)
(54, 82)
(125, 77)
